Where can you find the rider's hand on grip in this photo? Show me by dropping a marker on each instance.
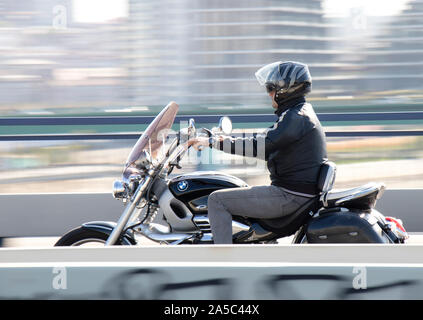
(199, 143)
(207, 132)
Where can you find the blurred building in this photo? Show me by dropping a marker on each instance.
(395, 62)
(380, 57)
(198, 53)
(48, 60)
(206, 52)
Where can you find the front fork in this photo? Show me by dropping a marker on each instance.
(127, 213)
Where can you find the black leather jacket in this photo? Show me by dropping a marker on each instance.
(294, 147)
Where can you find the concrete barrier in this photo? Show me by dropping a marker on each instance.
(53, 214)
(219, 272)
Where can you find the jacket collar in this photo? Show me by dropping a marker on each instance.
(289, 104)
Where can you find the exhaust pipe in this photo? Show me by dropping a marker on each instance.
(160, 233)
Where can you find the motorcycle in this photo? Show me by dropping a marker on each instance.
(174, 210)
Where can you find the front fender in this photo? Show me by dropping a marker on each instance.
(107, 227)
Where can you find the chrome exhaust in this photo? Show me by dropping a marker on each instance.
(160, 233)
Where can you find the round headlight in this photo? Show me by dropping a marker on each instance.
(120, 190)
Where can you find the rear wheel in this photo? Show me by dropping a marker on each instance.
(83, 237)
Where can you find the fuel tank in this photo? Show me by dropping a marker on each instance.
(194, 189)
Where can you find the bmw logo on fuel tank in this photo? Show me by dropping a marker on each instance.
(182, 185)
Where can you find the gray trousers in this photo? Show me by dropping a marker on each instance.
(265, 202)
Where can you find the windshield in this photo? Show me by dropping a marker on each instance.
(154, 136)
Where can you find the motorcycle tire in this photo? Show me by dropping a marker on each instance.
(80, 236)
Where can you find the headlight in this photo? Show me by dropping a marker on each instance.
(120, 190)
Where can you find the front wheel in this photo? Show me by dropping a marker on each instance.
(83, 237)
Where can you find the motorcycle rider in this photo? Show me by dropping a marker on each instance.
(294, 148)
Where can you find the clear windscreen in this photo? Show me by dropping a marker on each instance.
(154, 137)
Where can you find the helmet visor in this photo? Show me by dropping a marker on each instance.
(270, 87)
(269, 74)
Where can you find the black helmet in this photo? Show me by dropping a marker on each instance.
(290, 79)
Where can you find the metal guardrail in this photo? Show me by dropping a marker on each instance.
(128, 136)
(201, 119)
(103, 120)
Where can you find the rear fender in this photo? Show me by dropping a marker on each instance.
(107, 227)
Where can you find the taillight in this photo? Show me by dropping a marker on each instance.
(397, 227)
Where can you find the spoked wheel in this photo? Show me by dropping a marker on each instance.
(83, 237)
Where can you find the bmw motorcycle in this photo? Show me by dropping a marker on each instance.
(174, 210)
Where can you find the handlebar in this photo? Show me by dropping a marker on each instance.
(208, 132)
(177, 149)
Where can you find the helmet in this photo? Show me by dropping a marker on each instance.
(290, 79)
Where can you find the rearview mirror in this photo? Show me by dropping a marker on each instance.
(225, 125)
(191, 127)
(189, 132)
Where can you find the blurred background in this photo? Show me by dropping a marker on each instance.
(78, 58)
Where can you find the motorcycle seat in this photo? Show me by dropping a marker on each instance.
(362, 197)
(288, 225)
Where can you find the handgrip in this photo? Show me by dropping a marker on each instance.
(208, 132)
